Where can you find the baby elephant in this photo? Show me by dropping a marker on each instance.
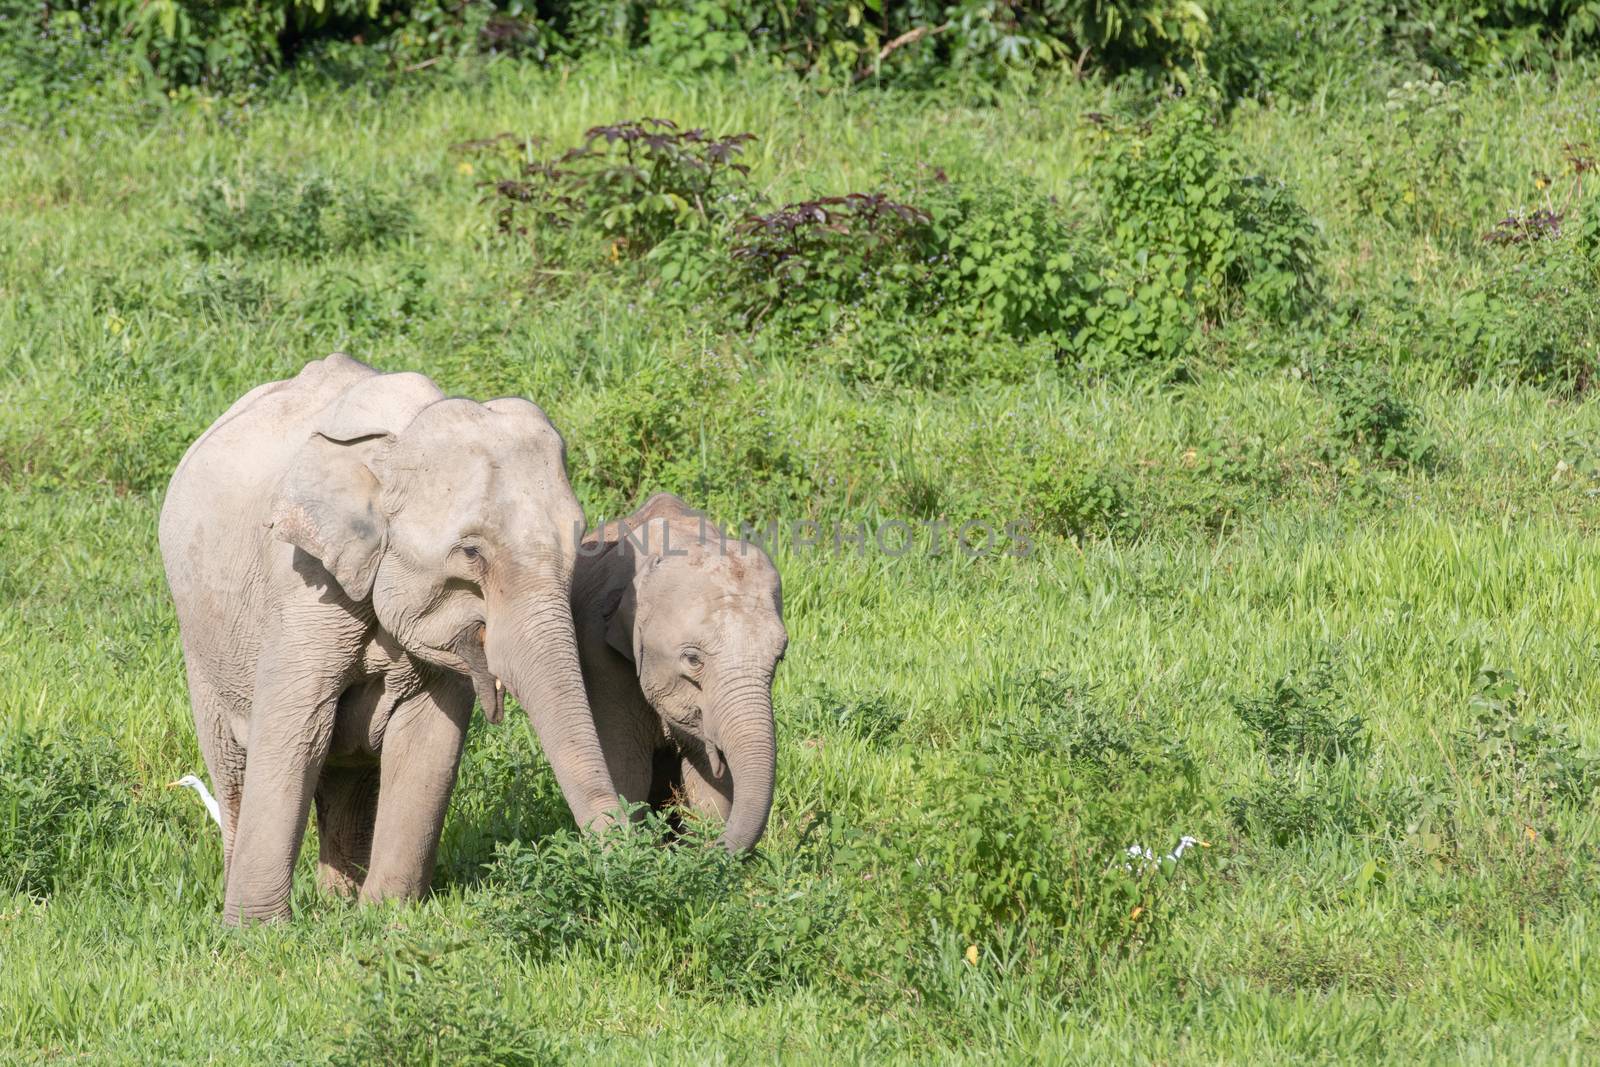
(680, 629)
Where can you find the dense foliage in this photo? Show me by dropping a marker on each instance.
(1251, 47)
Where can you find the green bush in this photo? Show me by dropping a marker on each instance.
(1025, 856)
(1300, 719)
(1527, 761)
(692, 425)
(417, 1007)
(848, 41)
(960, 280)
(708, 919)
(306, 215)
(1371, 416)
(630, 184)
(1046, 714)
(1415, 171)
(49, 53)
(1296, 806)
(873, 719)
(63, 801)
(1535, 318)
(1194, 233)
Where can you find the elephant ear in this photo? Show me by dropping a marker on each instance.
(328, 507)
(620, 601)
(328, 502)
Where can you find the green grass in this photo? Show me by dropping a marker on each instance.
(1422, 905)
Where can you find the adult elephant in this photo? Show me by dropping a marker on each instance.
(352, 556)
(680, 630)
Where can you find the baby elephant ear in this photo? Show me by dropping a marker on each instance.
(328, 507)
(619, 606)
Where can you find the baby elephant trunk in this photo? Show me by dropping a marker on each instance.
(745, 734)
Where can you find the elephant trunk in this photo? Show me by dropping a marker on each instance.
(746, 736)
(531, 646)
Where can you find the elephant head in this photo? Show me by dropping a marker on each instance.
(700, 615)
(455, 521)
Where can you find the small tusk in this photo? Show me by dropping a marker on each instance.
(499, 687)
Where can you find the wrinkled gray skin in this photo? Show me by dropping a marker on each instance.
(679, 632)
(353, 556)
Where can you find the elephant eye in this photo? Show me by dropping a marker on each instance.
(471, 553)
(692, 658)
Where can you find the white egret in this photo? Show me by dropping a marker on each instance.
(192, 782)
(1147, 859)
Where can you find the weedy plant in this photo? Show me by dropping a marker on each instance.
(1529, 762)
(1301, 718)
(1194, 234)
(417, 1009)
(632, 182)
(694, 425)
(300, 215)
(63, 800)
(1371, 416)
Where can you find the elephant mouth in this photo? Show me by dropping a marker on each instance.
(469, 648)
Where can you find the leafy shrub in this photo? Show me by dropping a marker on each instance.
(902, 291)
(871, 719)
(1535, 761)
(1314, 748)
(1534, 319)
(48, 53)
(1300, 719)
(1370, 415)
(416, 1008)
(1062, 499)
(307, 216)
(62, 800)
(1263, 49)
(1414, 171)
(691, 425)
(221, 288)
(1025, 854)
(1197, 231)
(633, 183)
(1295, 806)
(1053, 716)
(349, 305)
(1223, 475)
(1464, 34)
(710, 919)
(843, 40)
(809, 261)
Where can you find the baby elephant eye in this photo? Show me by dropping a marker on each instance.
(693, 659)
(470, 552)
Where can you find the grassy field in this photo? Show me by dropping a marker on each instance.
(1366, 676)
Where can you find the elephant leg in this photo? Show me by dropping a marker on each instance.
(421, 752)
(309, 654)
(347, 806)
(629, 740)
(711, 797)
(223, 757)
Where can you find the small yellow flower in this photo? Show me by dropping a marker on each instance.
(464, 167)
(1136, 913)
(1530, 833)
(972, 955)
